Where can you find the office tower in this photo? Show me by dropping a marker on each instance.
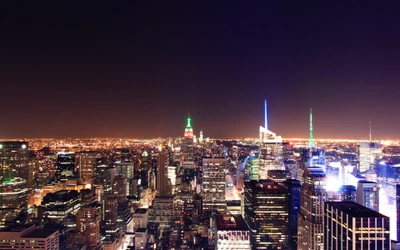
(127, 169)
(348, 225)
(213, 184)
(140, 218)
(65, 165)
(201, 136)
(231, 232)
(188, 130)
(163, 183)
(109, 214)
(87, 196)
(367, 195)
(141, 238)
(162, 211)
(120, 188)
(312, 198)
(87, 164)
(369, 152)
(271, 151)
(29, 237)
(278, 175)
(14, 176)
(58, 205)
(104, 177)
(253, 166)
(347, 193)
(293, 186)
(88, 225)
(266, 213)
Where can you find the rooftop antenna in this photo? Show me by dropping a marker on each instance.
(265, 115)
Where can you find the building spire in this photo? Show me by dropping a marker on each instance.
(311, 143)
(265, 115)
(370, 131)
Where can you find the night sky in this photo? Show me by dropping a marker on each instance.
(135, 69)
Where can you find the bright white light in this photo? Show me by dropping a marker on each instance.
(23, 146)
(332, 184)
(1, 145)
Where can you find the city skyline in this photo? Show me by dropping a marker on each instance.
(133, 70)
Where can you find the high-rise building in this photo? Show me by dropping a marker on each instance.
(266, 212)
(231, 232)
(271, 151)
(109, 214)
(120, 188)
(312, 198)
(58, 205)
(65, 165)
(293, 186)
(14, 176)
(213, 185)
(348, 193)
(311, 142)
(29, 237)
(348, 225)
(369, 152)
(88, 225)
(188, 130)
(87, 164)
(163, 183)
(367, 194)
(278, 175)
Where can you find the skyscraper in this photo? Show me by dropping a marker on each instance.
(213, 185)
(14, 177)
(311, 143)
(163, 183)
(293, 186)
(65, 165)
(271, 151)
(369, 152)
(188, 130)
(348, 225)
(313, 196)
(266, 212)
(87, 164)
(367, 194)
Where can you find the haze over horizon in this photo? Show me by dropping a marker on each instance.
(135, 69)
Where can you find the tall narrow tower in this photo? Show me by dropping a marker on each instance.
(311, 143)
(265, 115)
(188, 129)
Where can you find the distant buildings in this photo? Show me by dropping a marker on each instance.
(266, 212)
(87, 164)
(312, 198)
(188, 130)
(348, 225)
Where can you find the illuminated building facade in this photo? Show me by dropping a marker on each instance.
(58, 205)
(213, 185)
(278, 175)
(87, 164)
(312, 198)
(163, 183)
(348, 225)
(231, 232)
(367, 194)
(14, 176)
(65, 165)
(188, 130)
(369, 152)
(266, 212)
(29, 237)
(88, 225)
(293, 186)
(271, 153)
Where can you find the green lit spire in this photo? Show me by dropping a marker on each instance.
(188, 122)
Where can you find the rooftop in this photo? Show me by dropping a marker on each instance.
(230, 222)
(40, 233)
(354, 209)
(141, 211)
